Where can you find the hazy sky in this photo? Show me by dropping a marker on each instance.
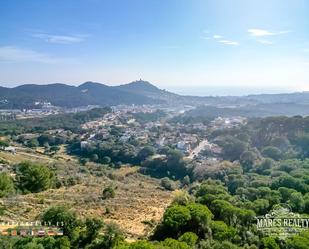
(175, 44)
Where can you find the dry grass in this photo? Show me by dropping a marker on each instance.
(138, 199)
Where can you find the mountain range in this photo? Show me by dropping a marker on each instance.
(137, 92)
(88, 93)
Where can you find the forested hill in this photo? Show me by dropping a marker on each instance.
(256, 110)
(89, 93)
(138, 92)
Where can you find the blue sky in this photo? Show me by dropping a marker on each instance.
(181, 45)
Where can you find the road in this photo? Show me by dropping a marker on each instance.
(199, 148)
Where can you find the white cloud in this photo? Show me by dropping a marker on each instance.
(259, 32)
(60, 39)
(283, 32)
(15, 54)
(229, 42)
(220, 39)
(217, 36)
(263, 32)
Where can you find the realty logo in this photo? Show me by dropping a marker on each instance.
(282, 223)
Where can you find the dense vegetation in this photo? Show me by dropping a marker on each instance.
(140, 92)
(261, 164)
(29, 178)
(88, 93)
(77, 233)
(69, 121)
(142, 117)
(6, 184)
(265, 163)
(250, 110)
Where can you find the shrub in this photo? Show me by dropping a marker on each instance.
(61, 215)
(189, 238)
(106, 160)
(168, 184)
(4, 143)
(91, 232)
(108, 192)
(270, 243)
(181, 197)
(174, 244)
(107, 210)
(32, 177)
(83, 161)
(145, 152)
(221, 231)
(94, 157)
(6, 184)
(176, 217)
(200, 218)
(272, 152)
(186, 181)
